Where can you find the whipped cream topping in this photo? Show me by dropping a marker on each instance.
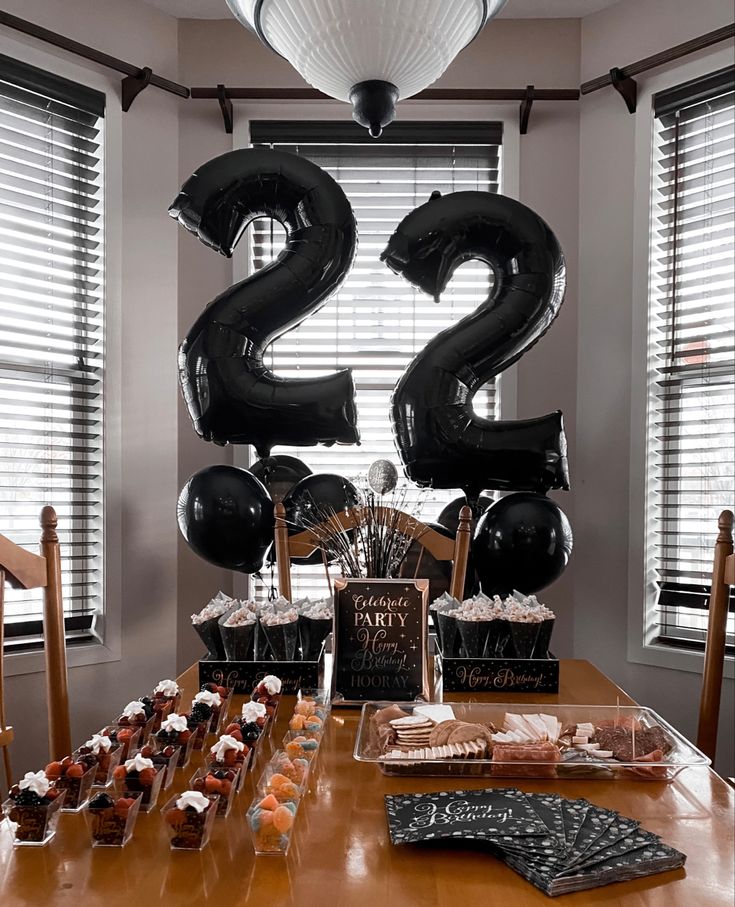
(133, 708)
(36, 782)
(226, 742)
(167, 688)
(193, 798)
(174, 722)
(251, 711)
(99, 743)
(271, 684)
(138, 763)
(208, 698)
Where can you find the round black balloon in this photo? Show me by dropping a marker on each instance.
(449, 517)
(523, 542)
(231, 395)
(315, 493)
(441, 441)
(279, 474)
(226, 516)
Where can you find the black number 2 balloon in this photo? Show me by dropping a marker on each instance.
(441, 441)
(231, 396)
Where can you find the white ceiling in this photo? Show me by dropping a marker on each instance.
(515, 9)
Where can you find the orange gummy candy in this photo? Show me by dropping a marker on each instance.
(269, 802)
(282, 819)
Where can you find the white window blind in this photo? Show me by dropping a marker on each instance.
(51, 336)
(691, 422)
(377, 322)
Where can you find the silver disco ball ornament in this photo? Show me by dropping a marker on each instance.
(382, 476)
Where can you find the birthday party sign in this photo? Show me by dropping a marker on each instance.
(380, 645)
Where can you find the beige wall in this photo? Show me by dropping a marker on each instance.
(614, 37)
(147, 392)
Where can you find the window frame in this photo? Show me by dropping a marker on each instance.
(641, 592)
(109, 624)
(507, 114)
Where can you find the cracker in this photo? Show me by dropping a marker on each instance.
(440, 734)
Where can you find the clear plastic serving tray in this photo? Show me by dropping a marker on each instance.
(681, 755)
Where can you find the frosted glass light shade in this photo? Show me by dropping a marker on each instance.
(338, 44)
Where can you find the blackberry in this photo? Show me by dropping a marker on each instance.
(201, 711)
(28, 798)
(101, 801)
(250, 731)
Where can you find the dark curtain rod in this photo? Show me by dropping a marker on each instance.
(141, 73)
(659, 59)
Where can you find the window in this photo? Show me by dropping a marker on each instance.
(377, 322)
(51, 336)
(691, 352)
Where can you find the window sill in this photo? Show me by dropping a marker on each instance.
(674, 659)
(76, 656)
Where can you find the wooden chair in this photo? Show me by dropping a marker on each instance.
(24, 570)
(723, 576)
(442, 548)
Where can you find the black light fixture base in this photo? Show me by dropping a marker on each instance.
(374, 104)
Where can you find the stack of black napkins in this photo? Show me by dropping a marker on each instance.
(558, 845)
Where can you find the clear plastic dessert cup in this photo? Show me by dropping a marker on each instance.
(189, 830)
(296, 770)
(77, 790)
(130, 785)
(206, 783)
(282, 787)
(170, 763)
(105, 766)
(33, 826)
(128, 743)
(113, 826)
(271, 828)
(241, 767)
(298, 746)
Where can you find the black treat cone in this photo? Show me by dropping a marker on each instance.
(239, 642)
(541, 649)
(473, 634)
(448, 634)
(210, 635)
(524, 635)
(504, 647)
(282, 639)
(313, 631)
(493, 637)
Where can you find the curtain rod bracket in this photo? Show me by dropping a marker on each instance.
(133, 85)
(626, 87)
(525, 110)
(225, 105)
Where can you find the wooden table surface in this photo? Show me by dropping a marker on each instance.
(341, 855)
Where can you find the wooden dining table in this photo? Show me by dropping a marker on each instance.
(341, 854)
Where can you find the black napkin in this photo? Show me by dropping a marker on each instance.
(558, 845)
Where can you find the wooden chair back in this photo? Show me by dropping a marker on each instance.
(723, 576)
(302, 544)
(25, 570)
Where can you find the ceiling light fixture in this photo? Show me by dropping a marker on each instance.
(370, 53)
